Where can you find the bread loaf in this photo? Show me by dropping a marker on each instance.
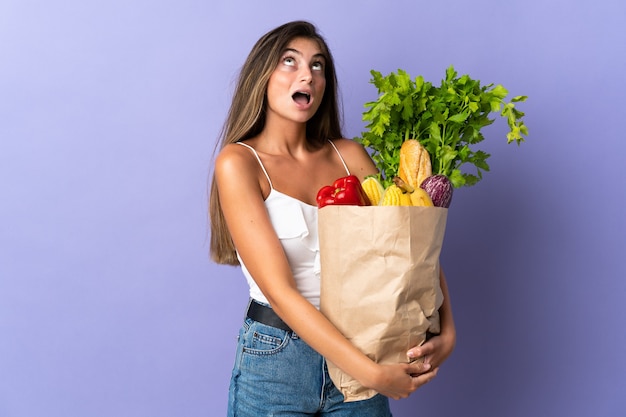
(415, 165)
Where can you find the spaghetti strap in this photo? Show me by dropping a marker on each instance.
(340, 157)
(260, 163)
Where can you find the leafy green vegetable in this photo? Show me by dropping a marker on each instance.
(447, 120)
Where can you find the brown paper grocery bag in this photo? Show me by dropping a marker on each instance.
(380, 280)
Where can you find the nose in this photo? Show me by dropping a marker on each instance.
(306, 75)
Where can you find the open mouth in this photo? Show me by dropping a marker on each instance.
(301, 97)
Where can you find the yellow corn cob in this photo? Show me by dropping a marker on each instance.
(374, 190)
(394, 196)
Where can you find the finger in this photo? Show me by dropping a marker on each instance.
(414, 353)
(432, 360)
(417, 368)
(422, 350)
(422, 379)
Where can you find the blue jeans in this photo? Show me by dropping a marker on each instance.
(277, 374)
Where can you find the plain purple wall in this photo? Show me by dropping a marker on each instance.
(109, 111)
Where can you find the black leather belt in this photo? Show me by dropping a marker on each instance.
(263, 314)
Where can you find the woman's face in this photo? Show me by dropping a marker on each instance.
(296, 87)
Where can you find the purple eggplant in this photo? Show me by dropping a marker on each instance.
(439, 188)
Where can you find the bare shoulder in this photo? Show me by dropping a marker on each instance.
(359, 161)
(234, 159)
(348, 145)
(236, 168)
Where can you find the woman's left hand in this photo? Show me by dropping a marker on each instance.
(436, 350)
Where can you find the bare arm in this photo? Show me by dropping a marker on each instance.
(439, 348)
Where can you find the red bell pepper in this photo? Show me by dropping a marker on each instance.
(344, 191)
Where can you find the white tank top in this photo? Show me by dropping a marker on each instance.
(295, 223)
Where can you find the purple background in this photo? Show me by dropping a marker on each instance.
(109, 112)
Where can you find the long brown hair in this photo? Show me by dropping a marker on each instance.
(246, 116)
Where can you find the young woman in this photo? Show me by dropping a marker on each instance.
(281, 143)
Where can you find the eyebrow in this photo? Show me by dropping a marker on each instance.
(318, 55)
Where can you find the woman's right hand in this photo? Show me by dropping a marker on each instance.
(401, 380)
